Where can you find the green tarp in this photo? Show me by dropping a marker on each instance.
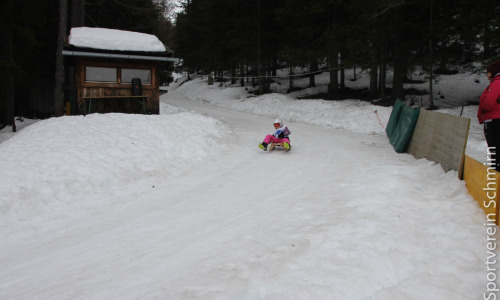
(393, 120)
(401, 126)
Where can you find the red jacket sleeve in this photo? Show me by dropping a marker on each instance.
(489, 105)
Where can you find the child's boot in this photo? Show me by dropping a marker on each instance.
(287, 146)
(263, 146)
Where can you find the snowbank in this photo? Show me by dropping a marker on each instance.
(64, 159)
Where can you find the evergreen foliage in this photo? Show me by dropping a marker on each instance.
(222, 35)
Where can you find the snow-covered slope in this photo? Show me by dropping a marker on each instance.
(184, 205)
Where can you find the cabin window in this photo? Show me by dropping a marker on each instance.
(101, 74)
(143, 74)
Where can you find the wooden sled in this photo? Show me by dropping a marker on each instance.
(273, 145)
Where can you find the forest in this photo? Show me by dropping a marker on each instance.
(238, 38)
(251, 39)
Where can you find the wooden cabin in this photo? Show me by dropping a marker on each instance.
(110, 70)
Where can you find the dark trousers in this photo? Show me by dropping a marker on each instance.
(492, 135)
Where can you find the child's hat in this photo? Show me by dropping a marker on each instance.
(494, 68)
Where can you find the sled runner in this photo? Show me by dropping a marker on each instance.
(273, 145)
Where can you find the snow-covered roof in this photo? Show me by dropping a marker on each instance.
(114, 39)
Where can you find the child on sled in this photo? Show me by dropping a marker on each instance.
(280, 137)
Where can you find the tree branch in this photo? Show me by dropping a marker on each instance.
(386, 9)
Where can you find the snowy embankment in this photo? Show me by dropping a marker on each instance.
(61, 160)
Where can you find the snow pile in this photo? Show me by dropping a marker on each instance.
(64, 159)
(114, 39)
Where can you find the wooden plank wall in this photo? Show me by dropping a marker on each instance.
(441, 138)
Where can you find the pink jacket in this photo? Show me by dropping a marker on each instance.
(489, 103)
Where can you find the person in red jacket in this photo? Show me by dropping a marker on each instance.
(489, 113)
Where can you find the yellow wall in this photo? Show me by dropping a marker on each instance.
(483, 184)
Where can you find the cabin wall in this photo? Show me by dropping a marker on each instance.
(123, 105)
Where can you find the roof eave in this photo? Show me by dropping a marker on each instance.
(118, 56)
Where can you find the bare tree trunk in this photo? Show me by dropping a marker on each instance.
(373, 92)
(431, 93)
(373, 73)
(401, 56)
(10, 73)
(313, 69)
(342, 78)
(382, 73)
(77, 13)
(242, 74)
(59, 92)
(333, 86)
(259, 51)
(342, 71)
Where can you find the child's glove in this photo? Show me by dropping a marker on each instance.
(281, 135)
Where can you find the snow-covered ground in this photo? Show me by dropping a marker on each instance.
(453, 93)
(184, 205)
